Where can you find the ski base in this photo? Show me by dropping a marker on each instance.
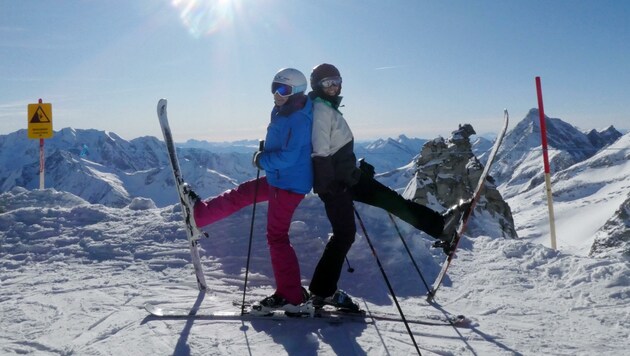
(192, 231)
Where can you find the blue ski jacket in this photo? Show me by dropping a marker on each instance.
(286, 157)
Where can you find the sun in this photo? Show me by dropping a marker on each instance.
(205, 17)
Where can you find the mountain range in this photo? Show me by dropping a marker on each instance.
(103, 168)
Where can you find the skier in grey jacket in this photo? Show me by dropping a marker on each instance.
(338, 182)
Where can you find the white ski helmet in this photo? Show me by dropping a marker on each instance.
(288, 81)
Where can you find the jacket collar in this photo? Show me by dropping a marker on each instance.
(333, 102)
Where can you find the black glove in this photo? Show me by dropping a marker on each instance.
(366, 168)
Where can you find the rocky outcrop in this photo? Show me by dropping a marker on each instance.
(446, 171)
(614, 236)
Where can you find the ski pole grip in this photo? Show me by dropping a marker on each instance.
(261, 145)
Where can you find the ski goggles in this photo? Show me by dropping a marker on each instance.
(282, 89)
(329, 82)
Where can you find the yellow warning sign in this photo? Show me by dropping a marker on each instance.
(40, 120)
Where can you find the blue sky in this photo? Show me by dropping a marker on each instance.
(413, 67)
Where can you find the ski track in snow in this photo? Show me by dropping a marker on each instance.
(75, 276)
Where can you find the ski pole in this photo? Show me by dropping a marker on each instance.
(350, 269)
(413, 261)
(389, 285)
(261, 146)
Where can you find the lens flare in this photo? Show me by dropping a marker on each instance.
(205, 17)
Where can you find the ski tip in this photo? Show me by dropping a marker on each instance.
(161, 107)
(162, 103)
(153, 310)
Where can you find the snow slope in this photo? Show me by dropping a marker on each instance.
(585, 196)
(75, 275)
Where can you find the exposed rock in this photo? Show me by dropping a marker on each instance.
(446, 171)
(614, 236)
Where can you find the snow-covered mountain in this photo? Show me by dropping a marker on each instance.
(241, 146)
(384, 154)
(389, 154)
(481, 146)
(518, 166)
(589, 184)
(104, 168)
(590, 201)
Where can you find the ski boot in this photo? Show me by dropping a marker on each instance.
(275, 302)
(452, 217)
(340, 300)
(189, 199)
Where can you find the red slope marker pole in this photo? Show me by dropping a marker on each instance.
(543, 134)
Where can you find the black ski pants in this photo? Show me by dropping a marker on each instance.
(340, 211)
(370, 191)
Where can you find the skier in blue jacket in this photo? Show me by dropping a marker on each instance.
(286, 160)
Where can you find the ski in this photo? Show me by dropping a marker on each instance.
(463, 222)
(247, 315)
(322, 315)
(192, 231)
(249, 303)
(429, 319)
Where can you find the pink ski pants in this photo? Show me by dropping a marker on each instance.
(282, 205)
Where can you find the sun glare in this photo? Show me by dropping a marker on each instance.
(205, 17)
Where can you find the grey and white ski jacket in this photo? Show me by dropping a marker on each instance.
(334, 161)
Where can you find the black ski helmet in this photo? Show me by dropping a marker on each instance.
(322, 71)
